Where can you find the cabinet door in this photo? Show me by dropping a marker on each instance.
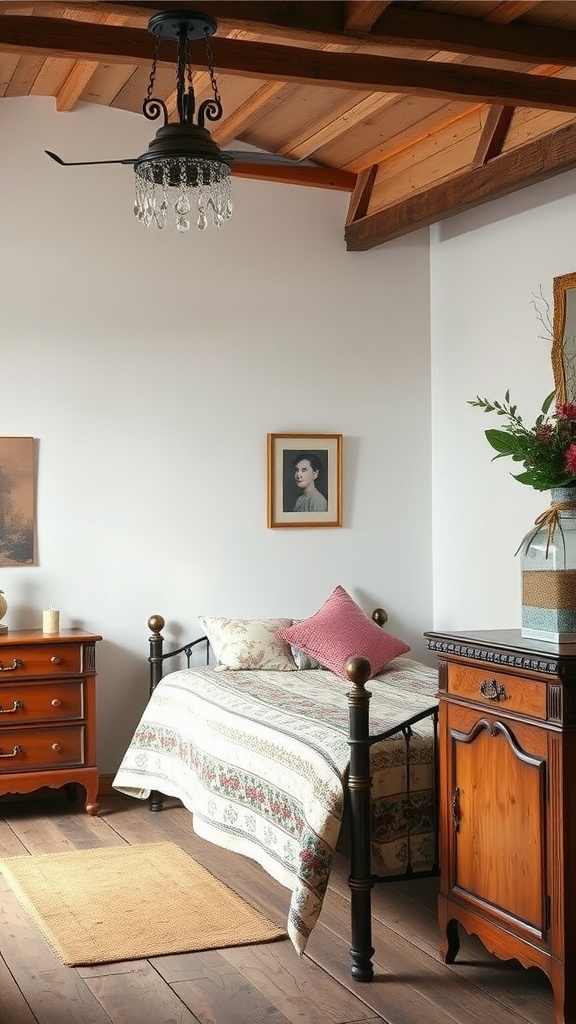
(497, 859)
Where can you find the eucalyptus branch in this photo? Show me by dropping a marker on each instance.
(543, 312)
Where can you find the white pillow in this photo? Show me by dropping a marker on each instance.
(248, 643)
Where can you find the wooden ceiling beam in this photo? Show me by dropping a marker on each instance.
(527, 165)
(316, 177)
(305, 18)
(59, 38)
(491, 36)
(360, 198)
(493, 135)
(453, 33)
(360, 15)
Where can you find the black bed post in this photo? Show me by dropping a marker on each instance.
(360, 880)
(156, 624)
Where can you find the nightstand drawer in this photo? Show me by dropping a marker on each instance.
(498, 690)
(19, 661)
(30, 749)
(23, 703)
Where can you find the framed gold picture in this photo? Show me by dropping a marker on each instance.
(304, 480)
(17, 501)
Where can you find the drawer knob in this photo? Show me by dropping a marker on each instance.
(56, 703)
(493, 690)
(16, 705)
(16, 663)
(55, 660)
(17, 749)
(56, 747)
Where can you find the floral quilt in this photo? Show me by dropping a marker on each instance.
(260, 758)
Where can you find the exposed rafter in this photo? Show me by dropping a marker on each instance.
(416, 109)
(45, 37)
(507, 173)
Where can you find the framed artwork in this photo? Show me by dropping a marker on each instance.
(17, 501)
(304, 480)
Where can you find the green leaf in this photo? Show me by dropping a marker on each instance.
(503, 442)
(548, 402)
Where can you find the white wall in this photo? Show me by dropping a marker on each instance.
(485, 268)
(150, 367)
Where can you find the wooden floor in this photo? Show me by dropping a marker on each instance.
(263, 984)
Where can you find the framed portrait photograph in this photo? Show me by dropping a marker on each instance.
(304, 480)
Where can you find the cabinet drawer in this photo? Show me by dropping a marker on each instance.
(51, 701)
(498, 690)
(30, 749)
(38, 660)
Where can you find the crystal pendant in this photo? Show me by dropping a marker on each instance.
(174, 185)
(549, 572)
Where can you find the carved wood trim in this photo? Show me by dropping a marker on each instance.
(516, 661)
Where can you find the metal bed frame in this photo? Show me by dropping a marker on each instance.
(361, 879)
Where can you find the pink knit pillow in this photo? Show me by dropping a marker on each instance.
(340, 630)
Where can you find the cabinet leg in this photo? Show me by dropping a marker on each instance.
(564, 989)
(91, 784)
(449, 931)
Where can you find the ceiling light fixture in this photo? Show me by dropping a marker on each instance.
(183, 170)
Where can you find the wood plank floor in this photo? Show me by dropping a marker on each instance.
(263, 984)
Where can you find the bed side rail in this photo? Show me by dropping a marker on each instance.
(158, 655)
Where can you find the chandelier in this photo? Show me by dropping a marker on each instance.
(183, 174)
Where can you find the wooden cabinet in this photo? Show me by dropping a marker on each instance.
(48, 712)
(507, 801)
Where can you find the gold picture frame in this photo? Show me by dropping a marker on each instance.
(564, 338)
(304, 480)
(17, 501)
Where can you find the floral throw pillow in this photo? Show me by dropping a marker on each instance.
(248, 643)
(340, 630)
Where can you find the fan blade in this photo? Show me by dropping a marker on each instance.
(248, 156)
(87, 163)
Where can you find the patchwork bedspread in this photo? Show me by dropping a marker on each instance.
(260, 758)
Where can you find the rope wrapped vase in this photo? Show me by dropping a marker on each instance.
(549, 572)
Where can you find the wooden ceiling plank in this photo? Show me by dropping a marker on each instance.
(24, 76)
(360, 199)
(248, 113)
(45, 36)
(411, 140)
(317, 177)
(536, 161)
(509, 10)
(493, 134)
(8, 66)
(307, 143)
(360, 15)
(478, 37)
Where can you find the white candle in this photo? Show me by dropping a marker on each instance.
(51, 620)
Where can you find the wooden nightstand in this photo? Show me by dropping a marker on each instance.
(507, 744)
(48, 711)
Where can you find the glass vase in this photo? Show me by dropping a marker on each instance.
(549, 572)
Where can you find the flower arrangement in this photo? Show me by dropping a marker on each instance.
(547, 450)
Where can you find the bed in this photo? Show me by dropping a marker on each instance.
(282, 763)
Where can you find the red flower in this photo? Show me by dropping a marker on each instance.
(566, 411)
(571, 459)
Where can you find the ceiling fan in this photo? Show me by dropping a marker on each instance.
(183, 156)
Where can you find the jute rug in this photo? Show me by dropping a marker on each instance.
(131, 902)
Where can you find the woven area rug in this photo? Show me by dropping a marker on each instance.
(131, 902)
